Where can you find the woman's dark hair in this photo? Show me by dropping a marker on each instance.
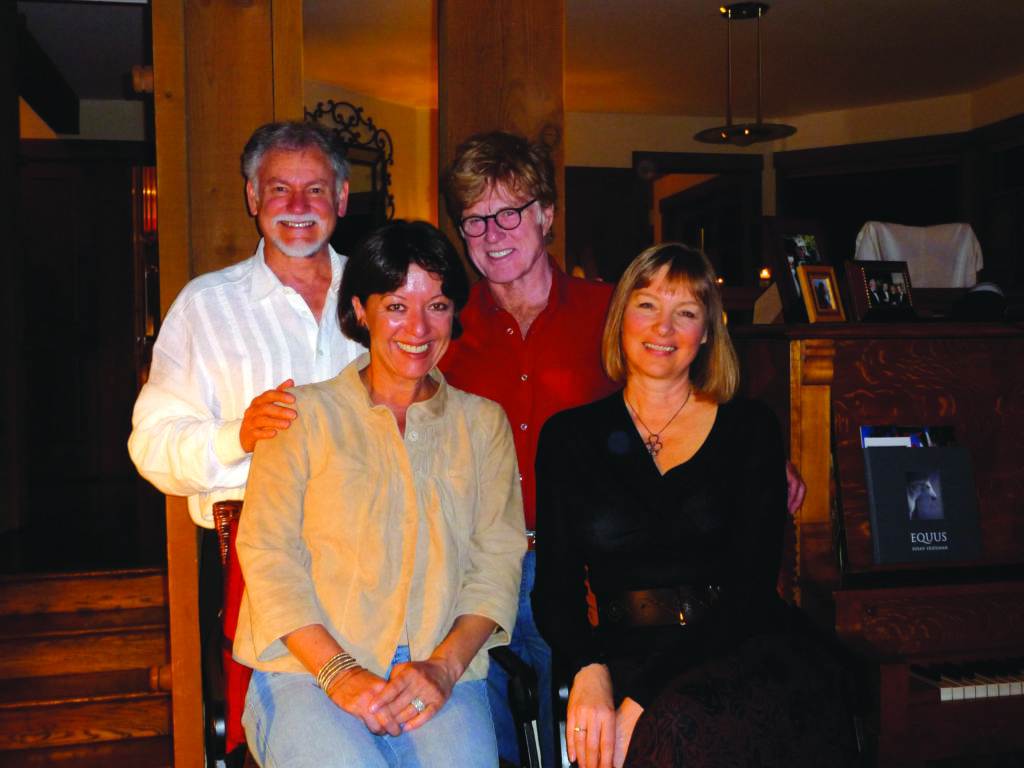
(381, 262)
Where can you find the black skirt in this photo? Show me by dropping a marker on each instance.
(777, 699)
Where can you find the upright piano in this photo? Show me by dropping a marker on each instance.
(942, 643)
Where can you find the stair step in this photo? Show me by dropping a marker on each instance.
(151, 753)
(84, 670)
(113, 718)
(92, 591)
(55, 624)
(82, 651)
(29, 691)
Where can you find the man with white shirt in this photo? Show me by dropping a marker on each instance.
(234, 339)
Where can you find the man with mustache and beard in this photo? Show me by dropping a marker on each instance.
(235, 339)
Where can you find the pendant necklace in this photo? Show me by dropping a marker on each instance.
(653, 442)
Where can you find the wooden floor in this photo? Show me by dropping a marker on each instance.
(84, 675)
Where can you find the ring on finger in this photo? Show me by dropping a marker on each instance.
(417, 704)
(580, 729)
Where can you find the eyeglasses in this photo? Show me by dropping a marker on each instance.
(506, 218)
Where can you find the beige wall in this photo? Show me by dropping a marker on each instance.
(414, 136)
(98, 119)
(900, 120)
(609, 139)
(998, 101)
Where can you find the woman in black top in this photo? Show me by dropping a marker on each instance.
(669, 498)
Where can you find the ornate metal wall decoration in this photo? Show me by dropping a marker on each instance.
(367, 146)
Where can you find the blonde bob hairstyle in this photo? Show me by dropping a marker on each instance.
(715, 372)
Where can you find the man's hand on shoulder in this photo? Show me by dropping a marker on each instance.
(266, 416)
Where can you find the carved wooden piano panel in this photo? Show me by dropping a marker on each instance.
(940, 638)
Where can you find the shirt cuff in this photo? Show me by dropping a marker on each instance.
(227, 445)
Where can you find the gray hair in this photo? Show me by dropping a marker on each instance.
(293, 136)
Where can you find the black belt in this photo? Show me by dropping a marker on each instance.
(658, 607)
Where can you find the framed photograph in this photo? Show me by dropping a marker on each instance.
(788, 245)
(880, 290)
(821, 293)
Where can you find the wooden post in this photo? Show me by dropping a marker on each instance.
(811, 373)
(500, 67)
(221, 68)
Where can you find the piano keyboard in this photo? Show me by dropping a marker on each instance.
(977, 680)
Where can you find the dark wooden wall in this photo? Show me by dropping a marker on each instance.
(85, 506)
(975, 177)
(608, 211)
(973, 380)
(606, 219)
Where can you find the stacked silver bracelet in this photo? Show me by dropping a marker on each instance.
(334, 666)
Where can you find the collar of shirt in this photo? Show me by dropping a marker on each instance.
(264, 281)
(556, 295)
(422, 412)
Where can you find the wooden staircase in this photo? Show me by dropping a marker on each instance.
(84, 675)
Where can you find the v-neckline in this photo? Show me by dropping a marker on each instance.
(640, 448)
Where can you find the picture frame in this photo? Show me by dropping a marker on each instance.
(787, 245)
(820, 292)
(880, 291)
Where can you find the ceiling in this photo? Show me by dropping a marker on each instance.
(644, 56)
(668, 56)
(93, 45)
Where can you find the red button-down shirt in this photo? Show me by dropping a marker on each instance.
(557, 365)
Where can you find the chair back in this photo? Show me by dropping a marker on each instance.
(226, 515)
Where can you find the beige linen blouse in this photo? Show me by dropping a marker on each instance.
(350, 525)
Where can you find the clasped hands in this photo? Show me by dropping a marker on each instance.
(597, 734)
(415, 692)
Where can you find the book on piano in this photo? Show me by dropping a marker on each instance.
(921, 495)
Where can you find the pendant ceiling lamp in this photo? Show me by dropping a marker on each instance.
(742, 134)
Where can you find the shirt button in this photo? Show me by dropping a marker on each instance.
(522, 427)
(414, 436)
(520, 478)
(524, 377)
(508, 331)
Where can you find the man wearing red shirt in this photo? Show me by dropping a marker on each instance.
(531, 342)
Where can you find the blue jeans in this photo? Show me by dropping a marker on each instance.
(289, 722)
(531, 648)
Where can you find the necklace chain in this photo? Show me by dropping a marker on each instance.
(653, 442)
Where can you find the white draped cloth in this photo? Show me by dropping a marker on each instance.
(943, 256)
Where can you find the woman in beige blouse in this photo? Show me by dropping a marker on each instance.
(382, 537)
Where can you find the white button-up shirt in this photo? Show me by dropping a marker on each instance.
(229, 336)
